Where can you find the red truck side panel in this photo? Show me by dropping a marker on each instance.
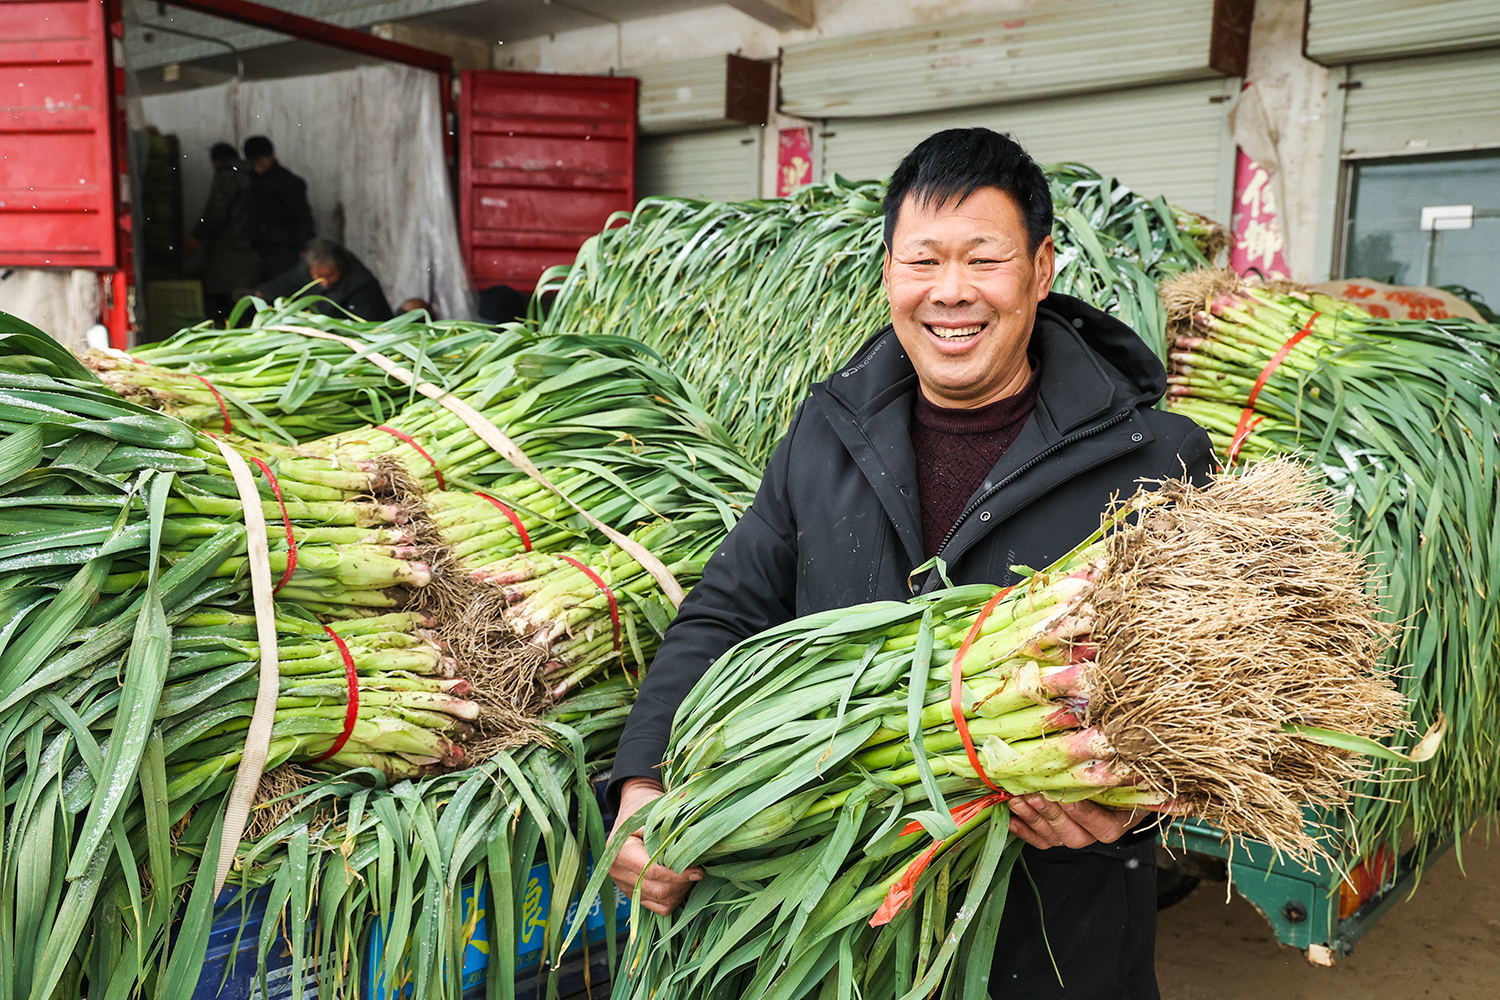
(544, 160)
(57, 193)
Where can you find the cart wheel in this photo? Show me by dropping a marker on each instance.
(1173, 886)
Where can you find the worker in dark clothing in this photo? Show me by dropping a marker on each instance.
(222, 233)
(281, 221)
(343, 285)
(989, 425)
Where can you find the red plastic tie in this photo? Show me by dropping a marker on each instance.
(1247, 424)
(515, 519)
(351, 714)
(956, 689)
(223, 409)
(614, 607)
(286, 522)
(901, 892)
(419, 450)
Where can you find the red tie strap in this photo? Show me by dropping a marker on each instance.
(351, 713)
(223, 408)
(1248, 420)
(609, 595)
(956, 688)
(515, 519)
(901, 892)
(286, 522)
(438, 473)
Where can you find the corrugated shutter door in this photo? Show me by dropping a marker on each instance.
(1437, 104)
(1342, 31)
(1170, 140)
(719, 165)
(1055, 47)
(681, 95)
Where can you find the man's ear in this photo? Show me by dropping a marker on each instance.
(885, 267)
(1045, 262)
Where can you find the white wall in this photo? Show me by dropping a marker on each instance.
(714, 30)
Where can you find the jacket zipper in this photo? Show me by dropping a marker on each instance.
(1041, 456)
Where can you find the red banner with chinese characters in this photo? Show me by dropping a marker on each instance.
(794, 159)
(1259, 246)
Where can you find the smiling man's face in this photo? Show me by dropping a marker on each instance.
(964, 288)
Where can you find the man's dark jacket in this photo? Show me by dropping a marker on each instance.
(356, 291)
(837, 520)
(280, 219)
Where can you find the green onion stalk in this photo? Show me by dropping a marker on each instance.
(367, 878)
(799, 278)
(1399, 417)
(854, 846)
(278, 385)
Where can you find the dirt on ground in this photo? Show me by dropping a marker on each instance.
(1443, 943)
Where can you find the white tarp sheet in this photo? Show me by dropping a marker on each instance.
(61, 302)
(367, 141)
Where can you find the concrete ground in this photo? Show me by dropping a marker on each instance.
(1441, 944)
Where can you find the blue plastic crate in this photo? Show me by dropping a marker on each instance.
(230, 967)
(531, 937)
(230, 970)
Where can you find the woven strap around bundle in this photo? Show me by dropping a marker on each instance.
(508, 450)
(258, 738)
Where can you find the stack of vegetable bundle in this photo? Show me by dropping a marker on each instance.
(127, 666)
(280, 385)
(612, 432)
(752, 301)
(1399, 416)
(843, 777)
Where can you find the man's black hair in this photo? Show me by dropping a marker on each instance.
(952, 164)
(323, 251)
(257, 146)
(222, 151)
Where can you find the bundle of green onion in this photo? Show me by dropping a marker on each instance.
(612, 432)
(590, 611)
(377, 692)
(75, 449)
(843, 777)
(1400, 418)
(752, 301)
(280, 385)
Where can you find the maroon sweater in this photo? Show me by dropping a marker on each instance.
(956, 449)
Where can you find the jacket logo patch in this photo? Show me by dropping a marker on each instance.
(864, 361)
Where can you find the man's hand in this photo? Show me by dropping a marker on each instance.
(1043, 823)
(663, 889)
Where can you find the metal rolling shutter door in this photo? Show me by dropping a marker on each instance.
(1170, 140)
(1409, 107)
(717, 165)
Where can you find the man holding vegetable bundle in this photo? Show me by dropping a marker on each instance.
(988, 426)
